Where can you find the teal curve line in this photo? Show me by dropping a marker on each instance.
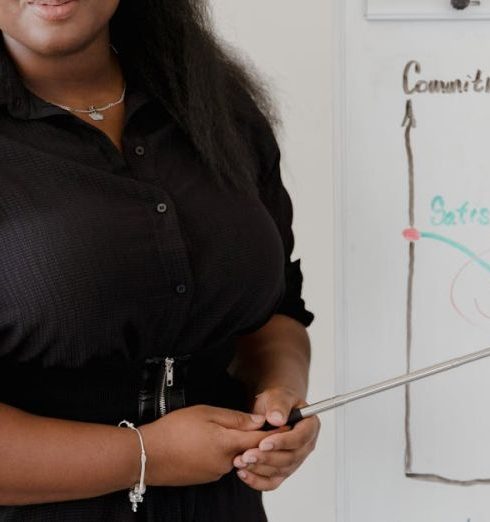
(459, 247)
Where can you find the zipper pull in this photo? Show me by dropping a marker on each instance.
(169, 371)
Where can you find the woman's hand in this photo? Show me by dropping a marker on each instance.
(279, 454)
(197, 444)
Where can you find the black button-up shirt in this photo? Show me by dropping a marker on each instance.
(110, 260)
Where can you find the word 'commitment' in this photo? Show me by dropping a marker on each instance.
(413, 84)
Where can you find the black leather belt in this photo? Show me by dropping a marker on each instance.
(107, 392)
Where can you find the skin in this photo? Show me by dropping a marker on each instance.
(70, 62)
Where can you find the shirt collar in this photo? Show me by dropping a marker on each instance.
(22, 103)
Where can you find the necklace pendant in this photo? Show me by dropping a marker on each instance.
(95, 114)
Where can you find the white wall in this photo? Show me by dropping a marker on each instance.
(291, 44)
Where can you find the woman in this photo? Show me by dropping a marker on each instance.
(145, 242)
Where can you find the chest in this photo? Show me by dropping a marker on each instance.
(96, 259)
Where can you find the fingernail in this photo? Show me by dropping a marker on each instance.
(242, 474)
(276, 416)
(249, 459)
(266, 446)
(240, 464)
(259, 419)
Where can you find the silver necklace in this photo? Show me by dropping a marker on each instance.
(95, 112)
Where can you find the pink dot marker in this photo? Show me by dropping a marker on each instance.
(411, 234)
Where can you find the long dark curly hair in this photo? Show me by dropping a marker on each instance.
(170, 48)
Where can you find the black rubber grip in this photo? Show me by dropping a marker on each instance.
(294, 417)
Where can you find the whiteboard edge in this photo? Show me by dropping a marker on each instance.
(383, 16)
(421, 17)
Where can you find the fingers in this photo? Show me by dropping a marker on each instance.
(266, 470)
(260, 483)
(302, 434)
(242, 440)
(278, 454)
(271, 463)
(276, 404)
(237, 420)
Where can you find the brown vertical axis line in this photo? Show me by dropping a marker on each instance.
(409, 123)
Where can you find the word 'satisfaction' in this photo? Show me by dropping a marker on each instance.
(463, 214)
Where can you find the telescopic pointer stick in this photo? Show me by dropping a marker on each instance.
(339, 400)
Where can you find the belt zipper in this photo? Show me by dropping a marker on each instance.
(167, 382)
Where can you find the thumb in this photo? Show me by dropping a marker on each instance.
(276, 404)
(237, 420)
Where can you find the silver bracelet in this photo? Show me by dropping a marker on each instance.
(137, 491)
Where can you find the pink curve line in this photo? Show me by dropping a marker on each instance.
(477, 306)
(451, 294)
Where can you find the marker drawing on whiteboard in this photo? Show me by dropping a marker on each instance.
(466, 316)
(413, 85)
(413, 235)
(462, 215)
(409, 123)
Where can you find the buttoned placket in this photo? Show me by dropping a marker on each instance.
(172, 250)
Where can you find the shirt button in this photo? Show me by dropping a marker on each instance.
(161, 207)
(140, 150)
(181, 289)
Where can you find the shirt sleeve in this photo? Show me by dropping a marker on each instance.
(278, 202)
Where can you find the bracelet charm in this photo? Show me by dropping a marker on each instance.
(135, 496)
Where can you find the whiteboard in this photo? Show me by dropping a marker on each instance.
(413, 243)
